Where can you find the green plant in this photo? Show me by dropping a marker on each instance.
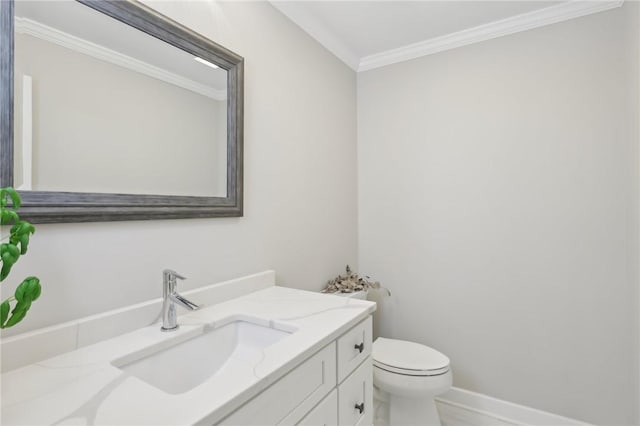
(18, 242)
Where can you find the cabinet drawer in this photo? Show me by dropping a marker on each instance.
(325, 413)
(353, 347)
(288, 399)
(355, 397)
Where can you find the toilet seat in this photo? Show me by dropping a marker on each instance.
(408, 358)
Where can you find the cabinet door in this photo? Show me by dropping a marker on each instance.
(287, 400)
(325, 413)
(353, 347)
(355, 397)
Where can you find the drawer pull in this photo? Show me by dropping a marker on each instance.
(359, 347)
(360, 407)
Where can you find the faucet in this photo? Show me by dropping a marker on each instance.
(170, 297)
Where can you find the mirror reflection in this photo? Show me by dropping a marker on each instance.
(105, 108)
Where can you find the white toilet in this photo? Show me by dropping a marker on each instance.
(407, 376)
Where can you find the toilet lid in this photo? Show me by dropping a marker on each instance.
(410, 358)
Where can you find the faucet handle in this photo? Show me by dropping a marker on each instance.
(169, 273)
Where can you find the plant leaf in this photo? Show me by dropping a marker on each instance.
(36, 289)
(8, 216)
(21, 306)
(21, 291)
(20, 233)
(15, 318)
(29, 289)
(24, 243)
(12, 194)
(6, 268)
(4, 312)
(9, 254)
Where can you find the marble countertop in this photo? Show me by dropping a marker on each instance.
(83, 387)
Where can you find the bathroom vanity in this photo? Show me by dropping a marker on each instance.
(273, 355)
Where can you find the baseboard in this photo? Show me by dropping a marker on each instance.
(504, 410)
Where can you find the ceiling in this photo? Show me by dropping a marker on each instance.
(367, 34)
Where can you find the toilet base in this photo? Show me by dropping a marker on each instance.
(392, 410)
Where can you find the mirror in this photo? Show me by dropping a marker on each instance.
(117, 113)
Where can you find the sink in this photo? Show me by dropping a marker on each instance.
(180, 365)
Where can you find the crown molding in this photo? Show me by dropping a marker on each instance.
(52, 35)
(319, 32)
(526, 21)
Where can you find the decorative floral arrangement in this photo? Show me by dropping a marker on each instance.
(351, 283)
(18, 241)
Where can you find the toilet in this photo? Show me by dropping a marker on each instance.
(407, 376)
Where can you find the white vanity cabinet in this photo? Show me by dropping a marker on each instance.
(332, 387)
(274, 356)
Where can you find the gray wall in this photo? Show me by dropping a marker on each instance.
(300, 185)
(498, 200)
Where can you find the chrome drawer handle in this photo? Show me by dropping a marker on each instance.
(360, 407)
(359, 347)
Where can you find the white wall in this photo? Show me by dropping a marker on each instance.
(498, 195)
(300, 185)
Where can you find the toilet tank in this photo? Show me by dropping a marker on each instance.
(373, 297)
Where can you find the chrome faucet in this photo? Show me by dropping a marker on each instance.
(170, 298)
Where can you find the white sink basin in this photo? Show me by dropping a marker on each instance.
(180, 365)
